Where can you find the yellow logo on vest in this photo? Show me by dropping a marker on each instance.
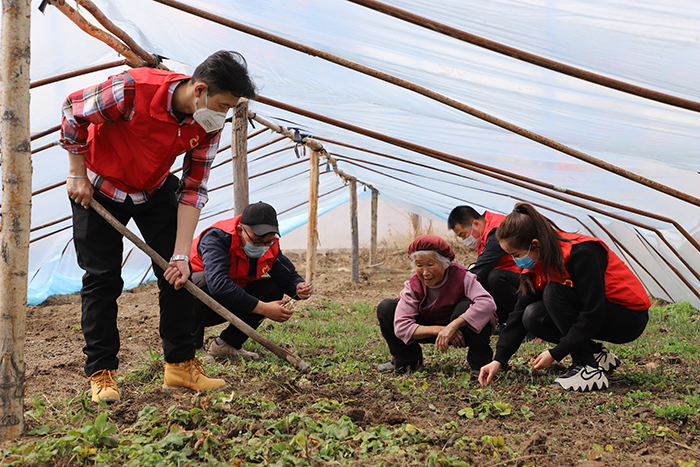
(194, 142)
(265, 269)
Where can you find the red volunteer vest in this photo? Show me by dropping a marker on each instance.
(137, 155)
(621, 285)
(492, 222)
(239, 261)
(451, 293)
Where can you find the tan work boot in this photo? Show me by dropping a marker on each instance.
(104, 386)
(189, 374)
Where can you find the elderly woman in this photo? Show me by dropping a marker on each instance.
(442, 303)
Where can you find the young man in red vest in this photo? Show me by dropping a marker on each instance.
(495, 269)
(229, 260)
(122, 136)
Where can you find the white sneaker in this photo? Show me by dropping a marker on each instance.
(583, 378)
(607, 360)
(226, 350)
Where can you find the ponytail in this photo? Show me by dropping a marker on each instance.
(519, 228)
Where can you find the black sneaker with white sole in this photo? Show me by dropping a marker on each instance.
(583, 378)
(607, 360)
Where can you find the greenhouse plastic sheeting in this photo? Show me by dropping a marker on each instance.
(649, 44)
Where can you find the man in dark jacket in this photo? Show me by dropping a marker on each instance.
(229, 260)
(495, 269)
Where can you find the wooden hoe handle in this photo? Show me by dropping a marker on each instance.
(294, 360)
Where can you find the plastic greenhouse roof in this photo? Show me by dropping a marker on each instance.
(650, 44)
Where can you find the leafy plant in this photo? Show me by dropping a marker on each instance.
(486, 409)
(680, 412)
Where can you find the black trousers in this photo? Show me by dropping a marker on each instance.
(552, 317)
(411, 355)
(264, 289)
(503, 286)
(99, 249)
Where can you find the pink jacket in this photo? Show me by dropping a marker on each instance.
(478, 315)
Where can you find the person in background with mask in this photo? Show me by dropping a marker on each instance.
(495, 269)
(123, 136)
(229, 260)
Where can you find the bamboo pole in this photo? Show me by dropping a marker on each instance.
(74, 73)
(373, 229)
(355, 269)
(15, 134)
(284, 354)
(150, 59)
(41, 134)
(313, 216)
(239, 153)
(415, 223)
(99, 34)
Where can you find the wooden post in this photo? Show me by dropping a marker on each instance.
(373, 229)
(313, 217)
(239, 152)
(16, 211)
(355, 270)
(415, 220)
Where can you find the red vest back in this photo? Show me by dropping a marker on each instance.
(621, 285)
(137, 155)
(239, 261)
(451, 293)
(492, 222)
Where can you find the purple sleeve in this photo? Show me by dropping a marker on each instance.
(406, 311)
(483, 308)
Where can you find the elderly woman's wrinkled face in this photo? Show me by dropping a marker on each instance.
(429, 269)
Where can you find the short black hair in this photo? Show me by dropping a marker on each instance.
(462, 215)
(226, 70)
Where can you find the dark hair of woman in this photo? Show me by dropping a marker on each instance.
(519, 228)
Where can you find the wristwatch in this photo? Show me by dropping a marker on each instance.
(180, 258)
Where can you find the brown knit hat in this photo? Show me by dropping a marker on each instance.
(431, 243)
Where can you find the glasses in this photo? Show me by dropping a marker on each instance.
(258, 243)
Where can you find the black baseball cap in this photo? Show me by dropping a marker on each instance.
(261, 218)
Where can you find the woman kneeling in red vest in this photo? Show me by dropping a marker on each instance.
(442, 303)
(573, 290)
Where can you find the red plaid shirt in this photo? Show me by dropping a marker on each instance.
(112, 99)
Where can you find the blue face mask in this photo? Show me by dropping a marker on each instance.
(255, 251)
(525, 261)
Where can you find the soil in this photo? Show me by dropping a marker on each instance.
(554, 435)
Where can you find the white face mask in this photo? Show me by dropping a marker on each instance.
(208, 119)
(471, 242)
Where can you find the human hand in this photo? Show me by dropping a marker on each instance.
(458, 339)
(304, 290)
(448, 335)
(487, 372)
(178, 273)
(543, 360)
(80, 190)
(274, 311)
